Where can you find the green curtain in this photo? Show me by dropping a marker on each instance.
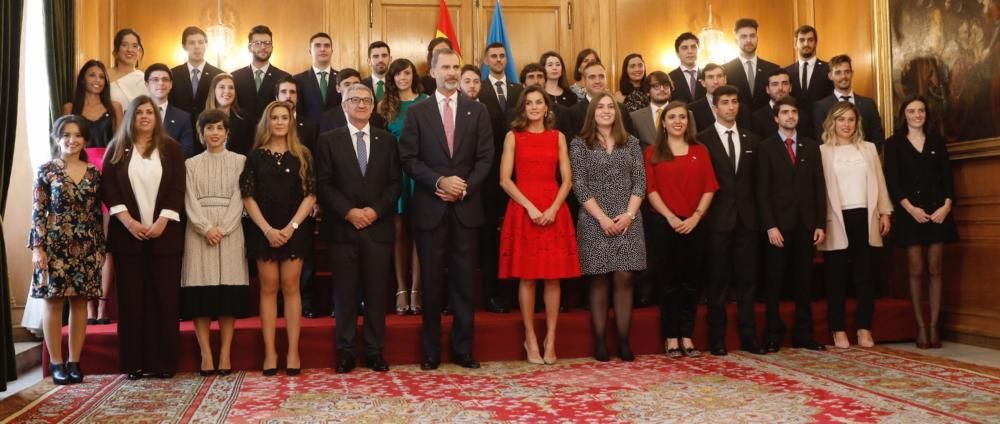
(10, 60)
(60, 48)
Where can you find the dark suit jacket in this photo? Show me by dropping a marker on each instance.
(341, 187)
(116, 189)
(500, 119)
(311, 105)
(251, 101)
(423, 150)
(178, 126)
(819, 87)
(577, 114)
(790, 196)
(705, 118)
(736, 76)
(734, 202)
(763, 122)
(180, 94)
(871, 120)
(681, 91)
(335, 118)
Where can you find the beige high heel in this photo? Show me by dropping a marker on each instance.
(533, 356)
(840, 340)
(865, 338)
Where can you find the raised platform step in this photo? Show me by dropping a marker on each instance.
(498, 336)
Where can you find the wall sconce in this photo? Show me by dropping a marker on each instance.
(221, 37)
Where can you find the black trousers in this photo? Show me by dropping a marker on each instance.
(450, 246)
(732, 262)
(361, 272)
(853, 263)
(494, 202)
(148, 306)
(678, 258)
(791, 264)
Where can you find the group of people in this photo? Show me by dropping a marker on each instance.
(675, 179)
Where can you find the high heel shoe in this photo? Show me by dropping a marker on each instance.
(59, 374)
(405, 308)
(922, 338)
(865, 338)
(75, 374)
(533, 356)
(269, 372)
(840, 340)
(549, 359)
(601, 351)
(935, 338)
(624, 351)
(415, 305)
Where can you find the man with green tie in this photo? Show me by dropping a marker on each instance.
(379, 58)
(255, 82)
(317, 85)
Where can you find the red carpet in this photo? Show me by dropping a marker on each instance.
(498, 337)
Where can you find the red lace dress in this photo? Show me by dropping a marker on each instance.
(528, 250)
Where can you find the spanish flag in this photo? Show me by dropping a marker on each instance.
(445, 29)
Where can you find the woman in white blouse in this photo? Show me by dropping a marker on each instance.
(858, 210)
(127, 81)
(143, 186)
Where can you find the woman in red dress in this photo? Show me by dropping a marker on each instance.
(537, 241)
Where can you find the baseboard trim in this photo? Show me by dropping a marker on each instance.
(973, 339)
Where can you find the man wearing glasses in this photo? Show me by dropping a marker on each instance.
(255, 82)
(358, 181)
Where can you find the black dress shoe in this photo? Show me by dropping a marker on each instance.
(809, 344)
(269, 372)
(376, 363)
(310, 314)
(75, 375)
(345, 363)
(292, 372)
(466, 361)
(753, 347)
(91, 321)
(771, 346)
(206, 373)
(222, 372)
(497, 306)
(164, 375)
(624, 351)
(59, 374)
(134, 375)
(430, 363)
(718, 350)
(601, 353)
(103, 321)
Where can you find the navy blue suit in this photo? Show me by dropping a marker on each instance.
(178, 125)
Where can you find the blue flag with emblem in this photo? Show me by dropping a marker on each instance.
(498, 34)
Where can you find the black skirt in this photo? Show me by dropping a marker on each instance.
(215, 301)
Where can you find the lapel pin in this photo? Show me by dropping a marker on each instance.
(287, 171)
(933, 152)
(467, 113)
(172, 121)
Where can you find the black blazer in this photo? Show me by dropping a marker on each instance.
(311, 105)
(704, 117)
(341, 187)
(500, 119)
(335, 118)
(790, 196)
(180, 94)
(177, 123)
(763, 122)
(871, 121)
(423, 151)
(820, 86)
(116, 189)
(253, 102)
(681, 91)
(737, 76)
(241, 133)
(734, 202)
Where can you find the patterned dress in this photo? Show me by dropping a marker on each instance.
(610, 179)
(66, 222)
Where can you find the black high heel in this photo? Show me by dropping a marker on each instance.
(270, 372)
(75, 374)
(625, 351)
(59, 374)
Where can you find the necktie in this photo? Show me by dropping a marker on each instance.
(656, 118)
(692, 81)
(323, 84)
(500, 96)
(449, 125)
(194, 81)
(791, 152)
(379, 90)
(751, 76)
(805, 76)
(732, 149)
(362, 152)
(258, 78)
(845, 98)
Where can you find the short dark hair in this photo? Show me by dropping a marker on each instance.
(259, 29)
(840, 59)
(745, 23)
(779, 71)
(577, 71)
(725, 90)
(529, 68)
(470, 68)
(378, 45)
(438, 54)
(346, 73)
(157, 67)
(659, 77)
(212, 116)
(708, 68)
(320, 35)
(684, 37)
(784, 101)
(433, 43)
(287, 79)
(494, 45)
(192, 30)
(805, 29)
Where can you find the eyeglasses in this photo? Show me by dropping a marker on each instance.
(260, 43)
(367, 101)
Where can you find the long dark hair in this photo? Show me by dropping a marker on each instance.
(589, 133)
(520, 122)
(624, 82)
(80, 92)
(902, 129)
(563, 82)
(661, 149)
(124, 139)
(119, 37)
(578, 71)
(391, 101)
(60, 125)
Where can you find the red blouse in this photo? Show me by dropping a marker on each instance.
(682, 181)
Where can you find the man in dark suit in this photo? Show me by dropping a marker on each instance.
(595, 80)
(358, 181)
(447, 147)
(192, 79)
(379, 58)
(500, 98)
(685, 77)
(337, 117)
(646, 120)
(176, 122)
(778, 86)
(748, 72)
(791, 201)
(317, 85)
(733, 231)
(809, 77)
(255, 82)
(842, 75)
(713, 77)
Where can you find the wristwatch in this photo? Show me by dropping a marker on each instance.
(295, 225)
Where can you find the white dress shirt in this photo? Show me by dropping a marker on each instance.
(725, 140)
(493, 85)
(329, 75)
(809, 71)
(851, 170)
(144, 175)
(354, 139)
(849, 94)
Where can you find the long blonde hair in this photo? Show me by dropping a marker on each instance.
(840, 109)
(295, 147)
(124, 139)
(211, 103)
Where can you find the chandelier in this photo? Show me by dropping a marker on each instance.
(220, 36)
(714, 46)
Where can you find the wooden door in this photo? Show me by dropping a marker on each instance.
(408, 25)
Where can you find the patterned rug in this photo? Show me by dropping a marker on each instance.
(794, 386)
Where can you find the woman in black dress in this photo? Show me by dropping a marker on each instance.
(278, 191)
(918, 174)
(556, 84)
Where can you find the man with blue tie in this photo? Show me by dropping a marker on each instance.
(176, 122)
(191, 79)
(317, 85)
